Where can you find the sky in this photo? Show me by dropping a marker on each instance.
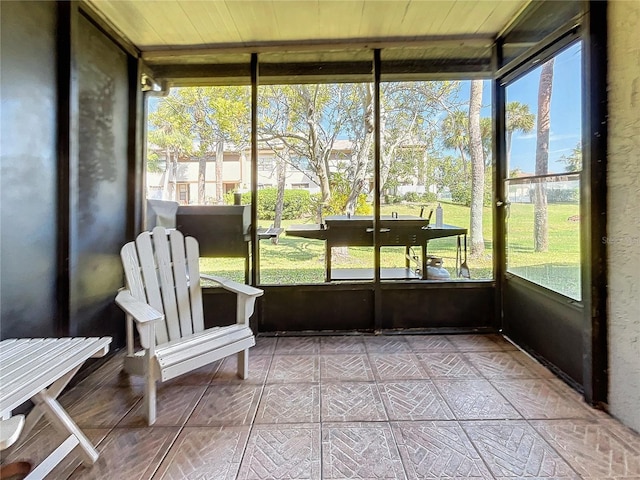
(565, 115)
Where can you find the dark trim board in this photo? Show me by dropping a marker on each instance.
(545, 324)
(335, 307)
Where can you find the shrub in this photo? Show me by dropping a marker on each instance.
(296, 203)
(412, 197)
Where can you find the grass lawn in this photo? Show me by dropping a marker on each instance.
(298, 260)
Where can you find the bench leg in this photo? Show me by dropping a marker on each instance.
(46, 404)
(243, 363)
(49, 463)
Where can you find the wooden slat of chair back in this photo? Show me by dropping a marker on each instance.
(193, 267)
(163, 270)
(142, 279)
(180, 275)
(167, 284)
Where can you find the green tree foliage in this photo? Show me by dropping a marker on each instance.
(518, 119)
(170, 132)
(202, 122)
(341, 188)
(573, 161)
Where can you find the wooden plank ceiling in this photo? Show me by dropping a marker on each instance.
(168, 26)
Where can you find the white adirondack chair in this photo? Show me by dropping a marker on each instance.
(163, 299)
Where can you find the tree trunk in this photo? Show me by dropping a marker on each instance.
(362, 156)
(219, 170)
(202, 171)
(318, 158)
(540, 226)
(173, 171)
(281, 174)
(477, 168)
(165, 176)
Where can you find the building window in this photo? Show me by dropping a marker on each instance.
(183, 193)
(265, 164)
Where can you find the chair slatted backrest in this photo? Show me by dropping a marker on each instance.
(163, 270)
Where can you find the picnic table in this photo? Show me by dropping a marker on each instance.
(38, 369)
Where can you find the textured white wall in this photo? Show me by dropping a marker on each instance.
(623, 224)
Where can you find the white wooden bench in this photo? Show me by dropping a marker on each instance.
(38, 369)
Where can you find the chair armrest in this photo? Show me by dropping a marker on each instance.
(140, 311)
(234, 286)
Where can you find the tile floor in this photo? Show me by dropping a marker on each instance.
(348, 407)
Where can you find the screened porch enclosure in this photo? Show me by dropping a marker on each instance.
(398, 113)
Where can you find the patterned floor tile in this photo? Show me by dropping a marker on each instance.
(350, 402)
(258, 369)
(476, 342)
(174, 404)
(386, 344)
(360, 451)
(414, 400)
(282, 452)
(297, 345)
(205, 452)
(227, 404)
(537, 398)
(294, 369)
(289, 403)
(438, 450)
(513, 449)
(424, 379)
(397, 366)
(102, 407)
(39, 444)
(342, 344)
(447, 365)
(264, 346)
(475, 399)
(624, 433)
(429, 343)
(499, 365)
(532, 364)
(131, 453)
(107, 373)
(592, 448)
(345, 367)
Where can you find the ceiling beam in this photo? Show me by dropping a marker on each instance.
(475, 41)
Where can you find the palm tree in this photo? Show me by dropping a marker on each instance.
(477, 168)
(455, 129)
(519, 119)
(540, 227)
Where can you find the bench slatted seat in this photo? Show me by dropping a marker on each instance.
(38, 369)
(163, 300)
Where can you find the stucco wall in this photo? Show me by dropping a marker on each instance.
(623, 237)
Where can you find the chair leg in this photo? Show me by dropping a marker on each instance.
(150, 400)
(243, 363)
(149, 391)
